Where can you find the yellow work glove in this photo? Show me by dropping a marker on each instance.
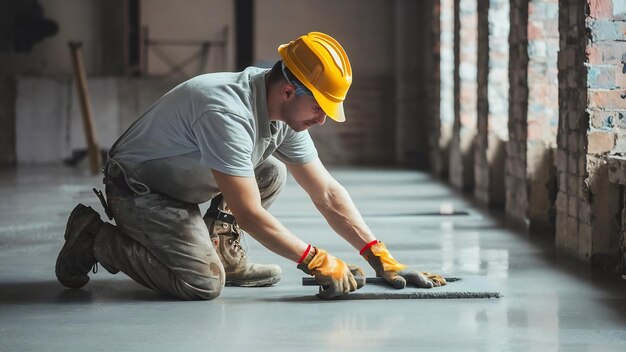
(397, 274)
(334, 276)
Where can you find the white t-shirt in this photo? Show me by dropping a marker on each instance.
(214, 121)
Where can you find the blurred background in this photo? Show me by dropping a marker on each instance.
(136, 50)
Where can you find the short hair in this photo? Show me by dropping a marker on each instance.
(275, 74)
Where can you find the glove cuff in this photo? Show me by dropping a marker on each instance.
(378, 256)
(367, 246)
(308, 255)
(304, 254)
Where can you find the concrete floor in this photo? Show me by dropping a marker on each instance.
(548, 304)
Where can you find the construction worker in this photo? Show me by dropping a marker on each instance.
(228, 138)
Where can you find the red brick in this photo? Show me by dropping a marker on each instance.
(535, 31)
(600, 142)
(603, 119)
(607, 99)
(606, 53)
(600, 8)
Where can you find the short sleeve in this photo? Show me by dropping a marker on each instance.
(296, 148)
(225, 142)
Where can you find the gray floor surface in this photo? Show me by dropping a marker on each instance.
(548, 303)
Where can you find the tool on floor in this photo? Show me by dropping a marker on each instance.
(310, 281)
(461, 288)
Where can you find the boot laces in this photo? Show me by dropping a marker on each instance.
(238, 238)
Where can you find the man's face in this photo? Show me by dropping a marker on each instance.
(302, 112)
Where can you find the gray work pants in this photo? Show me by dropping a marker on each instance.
(163, 243)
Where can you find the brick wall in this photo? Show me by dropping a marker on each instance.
(543, 112)
(464, 132)
(492, 101)
(481, 165)
(446, 75)
(515, 167)
(530, 174)
(587, 204)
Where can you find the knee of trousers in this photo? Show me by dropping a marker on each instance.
(118, 252)
(271, 176)
(207, 291)
(207, 286)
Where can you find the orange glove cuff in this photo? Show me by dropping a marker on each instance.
(327, 265)
(367, 246)
(389, 263)
(308, 249)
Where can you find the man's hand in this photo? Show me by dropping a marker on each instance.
(395, 273)
(333, 275)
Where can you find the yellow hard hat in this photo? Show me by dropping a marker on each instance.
(321, 64)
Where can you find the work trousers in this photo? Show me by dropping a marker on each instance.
(164, 243)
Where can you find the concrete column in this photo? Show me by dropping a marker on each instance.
(592, 104)
(492, 101)
(464, 132)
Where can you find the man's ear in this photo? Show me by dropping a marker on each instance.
(288, 91)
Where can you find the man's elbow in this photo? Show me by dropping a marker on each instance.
(329, 198)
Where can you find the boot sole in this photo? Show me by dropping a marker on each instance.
(255, 283)
(66, 247)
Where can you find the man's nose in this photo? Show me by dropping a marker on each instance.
(321, 119)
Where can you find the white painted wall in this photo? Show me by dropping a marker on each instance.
(41, 120)
(189, 20)
(49, 125)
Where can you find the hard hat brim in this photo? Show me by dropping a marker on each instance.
(339, 116)
(334, 110)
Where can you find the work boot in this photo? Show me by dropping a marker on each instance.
(226, 237)
(76, 258)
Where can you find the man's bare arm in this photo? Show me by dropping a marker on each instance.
(333, 202)
(243, 199)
